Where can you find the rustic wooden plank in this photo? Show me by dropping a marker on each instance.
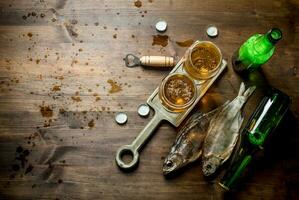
(55, 64)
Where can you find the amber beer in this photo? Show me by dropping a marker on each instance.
(203, 60)
(177, 92)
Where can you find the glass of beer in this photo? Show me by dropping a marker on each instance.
(202, 60)
(177, 92)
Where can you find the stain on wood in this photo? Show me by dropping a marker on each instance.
(114, 87)
(138, 3)
(161, 40)
(46, 111)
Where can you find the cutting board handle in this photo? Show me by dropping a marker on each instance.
(140, 140)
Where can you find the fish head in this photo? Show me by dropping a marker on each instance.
(172, 162)
(210, 165)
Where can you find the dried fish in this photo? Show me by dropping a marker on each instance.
(223, 132)
(188, 144)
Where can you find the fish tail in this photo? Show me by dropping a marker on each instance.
(246, 93)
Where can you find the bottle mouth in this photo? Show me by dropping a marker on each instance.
(274, 35)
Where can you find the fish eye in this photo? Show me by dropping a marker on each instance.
(209, 166)
(169, 163)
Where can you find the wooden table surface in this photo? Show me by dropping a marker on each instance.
(63, 78)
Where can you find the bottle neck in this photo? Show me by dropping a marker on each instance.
(263, 44)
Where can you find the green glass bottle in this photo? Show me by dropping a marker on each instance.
(261, 124)
(256, 51)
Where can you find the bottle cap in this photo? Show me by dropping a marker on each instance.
(161, 26)
(212, 31)
(274, 35)
(143, 110)
(121, 118)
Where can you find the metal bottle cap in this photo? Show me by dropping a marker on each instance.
(143, 110)
(121, 118)
(212, 31)
(161, 26)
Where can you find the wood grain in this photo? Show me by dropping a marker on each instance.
(59, 55)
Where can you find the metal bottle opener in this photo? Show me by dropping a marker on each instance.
(152, 61)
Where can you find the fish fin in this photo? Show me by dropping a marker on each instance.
(214, 113)
(197, 115)
(226, 155)
(191, 122)
(225, 103)
(217, 110)
(240, 120)
(193, 119)
(197, 156)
